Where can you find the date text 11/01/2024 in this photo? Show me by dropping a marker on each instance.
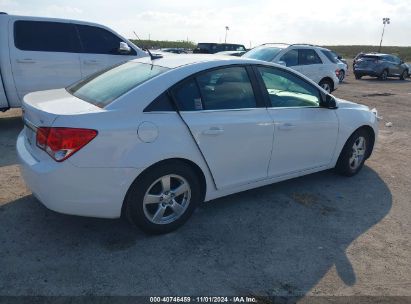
(237, 299)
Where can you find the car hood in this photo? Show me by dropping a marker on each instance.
(345, 104)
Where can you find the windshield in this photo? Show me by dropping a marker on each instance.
(102, 88)
(263, 53)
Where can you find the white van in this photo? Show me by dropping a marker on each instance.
(45, 53)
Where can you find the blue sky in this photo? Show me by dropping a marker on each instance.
(251, 22)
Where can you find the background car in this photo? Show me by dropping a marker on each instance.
(304, 58)
(174, 50)
(381, 66)
(341, 66)
(151, 139)
(47, 53)
(212, 48)
(232, 53)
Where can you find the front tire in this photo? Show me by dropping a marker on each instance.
(354, 153)
(163, 198)
(384, 75)
(404, 75)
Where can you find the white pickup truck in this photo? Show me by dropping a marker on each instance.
(46, 53)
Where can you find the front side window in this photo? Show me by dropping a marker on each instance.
(44, 36)
(103, 88)
(290, 58)
(308, 56)
(96, 40)
(288, 90)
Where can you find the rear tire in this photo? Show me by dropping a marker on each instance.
(341, 76)
(358, 76)
(326, 85)
(354, 153)
(154, 202)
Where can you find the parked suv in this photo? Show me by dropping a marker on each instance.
(44, 53)
(212, 48)
(381, 66)
(309, 60)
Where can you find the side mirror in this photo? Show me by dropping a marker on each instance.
(124, 48)
(339, 57)
(282, 63)
(328, 101)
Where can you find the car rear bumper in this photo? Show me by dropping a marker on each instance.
(65, 188)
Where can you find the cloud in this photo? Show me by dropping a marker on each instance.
(256, 22)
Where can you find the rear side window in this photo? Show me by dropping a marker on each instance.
(227, 88)
(43, 36)
(220, 89)
(188, 96)
(330, 56)
(96, 40)
(308, 56)
(102, 88)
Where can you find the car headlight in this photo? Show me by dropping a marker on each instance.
(374, 110)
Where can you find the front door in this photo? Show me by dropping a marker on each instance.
(305, 134)
(44, 55)
(231, 129)
(100, 49)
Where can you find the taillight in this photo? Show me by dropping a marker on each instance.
(61, 143)
(337, 73)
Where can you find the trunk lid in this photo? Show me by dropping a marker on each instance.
(41, 109)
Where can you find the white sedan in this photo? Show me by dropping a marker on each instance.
(151, 139)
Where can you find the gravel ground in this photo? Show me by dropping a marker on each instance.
(321, 234)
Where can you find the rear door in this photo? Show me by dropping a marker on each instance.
(100, 49)
(230, 125)
(44, 55)
(311, 64)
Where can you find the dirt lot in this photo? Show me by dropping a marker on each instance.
(317, 235)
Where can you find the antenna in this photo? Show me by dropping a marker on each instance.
(152, 57)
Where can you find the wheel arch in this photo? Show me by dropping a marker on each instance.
(371, 132)
(330, 80)
(196, 168)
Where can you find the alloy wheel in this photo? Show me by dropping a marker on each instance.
(167, 199)
(357, 153)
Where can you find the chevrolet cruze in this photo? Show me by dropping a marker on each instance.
(151, 139)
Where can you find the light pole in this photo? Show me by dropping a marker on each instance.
(226, 30)
(384, 22)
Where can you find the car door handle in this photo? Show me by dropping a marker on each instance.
(213, 131)
(26, 60)
(286, 126)
(91, 62)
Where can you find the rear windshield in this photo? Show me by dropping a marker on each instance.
(330, 55)
(263, 53)
(102, 88)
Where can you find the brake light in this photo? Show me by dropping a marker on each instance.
(61, 143)
(337, 73)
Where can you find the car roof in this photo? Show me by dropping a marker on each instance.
(173, 62)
